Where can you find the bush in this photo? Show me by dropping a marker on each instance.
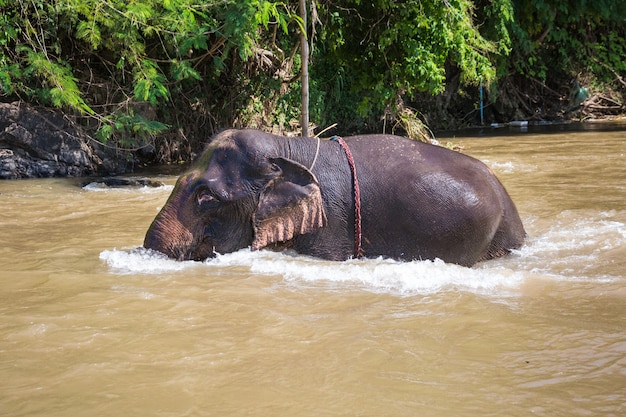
(178, 70)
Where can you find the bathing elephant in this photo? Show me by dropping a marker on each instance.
(370, 196)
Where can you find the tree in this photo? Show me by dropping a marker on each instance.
(110, 55)
(129, 71)
(304, 42)
(389, 49)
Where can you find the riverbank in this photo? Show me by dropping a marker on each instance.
(43, 143)
(520, 127)
(40, 142)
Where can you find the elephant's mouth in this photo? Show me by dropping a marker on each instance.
(198, 252)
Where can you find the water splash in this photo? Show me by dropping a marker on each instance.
(378, 275)
(140, 260)
(574, 244)
(509, 167)
(389, 276)
(103, 188)
(567, 249)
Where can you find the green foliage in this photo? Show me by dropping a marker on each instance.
(390, 49)
(129, 128)
(495, 17)
(567, 36)
(9, 32)
(182, 70)
(236, 62)
(26, 45)
(141, 51)
(57, 77)
(150, 83)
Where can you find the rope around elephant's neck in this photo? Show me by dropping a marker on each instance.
(357, 196)
(317, 152)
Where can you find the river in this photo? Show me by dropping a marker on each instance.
(92, 326)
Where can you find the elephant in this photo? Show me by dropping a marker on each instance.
(369, 196)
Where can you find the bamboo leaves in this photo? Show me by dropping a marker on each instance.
(150, 83)
(62, 89)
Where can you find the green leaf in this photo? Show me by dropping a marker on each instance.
(139, 12)
(142, 90)
(89, 32)
(150, 83)
(181, 70)
(104, 133)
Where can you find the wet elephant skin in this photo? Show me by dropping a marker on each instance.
(418, 201)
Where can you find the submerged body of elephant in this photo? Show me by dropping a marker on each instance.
(417, 201)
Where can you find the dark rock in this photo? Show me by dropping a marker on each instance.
(36, 143)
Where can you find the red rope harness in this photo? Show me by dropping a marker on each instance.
(357, 196)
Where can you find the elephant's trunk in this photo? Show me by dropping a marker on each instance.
(168, 235)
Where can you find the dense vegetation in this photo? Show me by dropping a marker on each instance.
(172, 72)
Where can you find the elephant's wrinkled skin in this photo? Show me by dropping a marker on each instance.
(418, 201)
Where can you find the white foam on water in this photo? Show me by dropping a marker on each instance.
(378, 275)
(102, 188)
(509, 167)
(572, 246)
(581, 242)
(140, 260)
(389, 276)
(505, 167)
(587, 235)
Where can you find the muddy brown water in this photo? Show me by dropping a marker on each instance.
(91, 326)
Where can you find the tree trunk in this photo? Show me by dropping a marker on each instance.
(304, 43)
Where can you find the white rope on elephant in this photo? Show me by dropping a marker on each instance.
(317, 152)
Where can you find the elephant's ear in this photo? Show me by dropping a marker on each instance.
(291, 204)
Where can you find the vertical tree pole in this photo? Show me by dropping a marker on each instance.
(304, 44)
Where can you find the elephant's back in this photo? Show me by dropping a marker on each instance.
(391, 155)
(394, 167)
(431, 198)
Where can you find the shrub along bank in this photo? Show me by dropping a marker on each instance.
(157, 78)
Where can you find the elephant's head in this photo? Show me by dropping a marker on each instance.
(240, 193)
